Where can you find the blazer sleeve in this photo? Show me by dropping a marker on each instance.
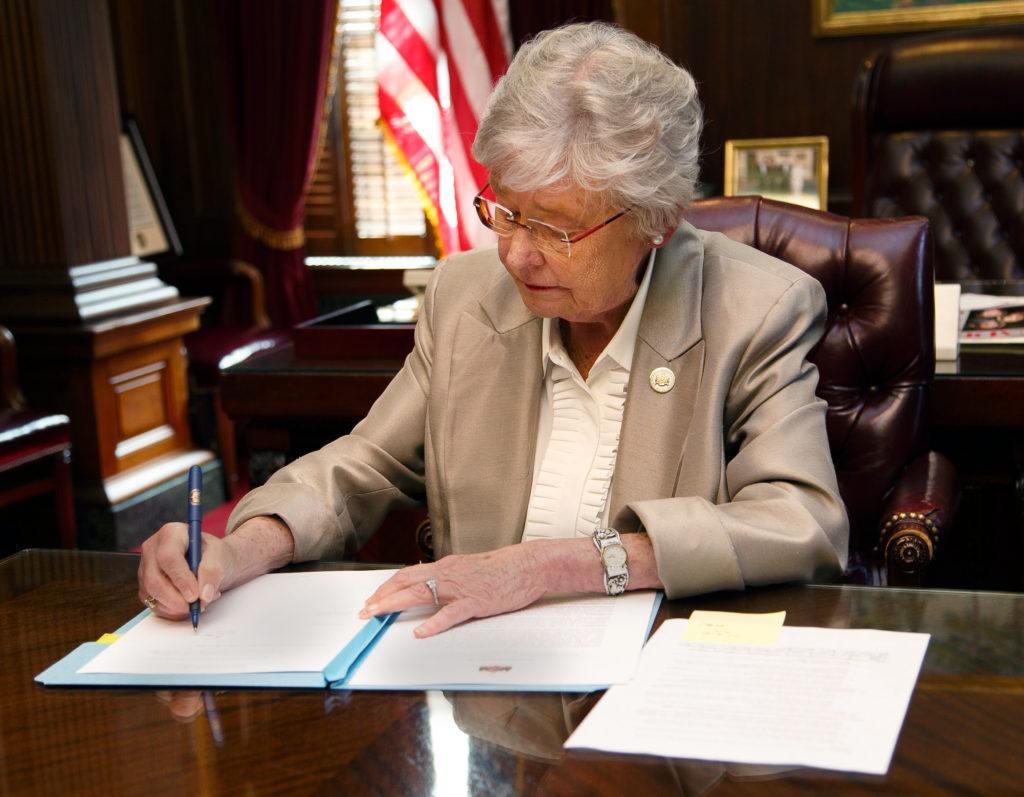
(776, 514)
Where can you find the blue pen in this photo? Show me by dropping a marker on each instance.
(195, 530)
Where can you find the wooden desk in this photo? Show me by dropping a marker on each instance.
(279, 387)
(981, 389)
(978, 422)
(963, 732)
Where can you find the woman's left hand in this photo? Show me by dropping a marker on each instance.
(468, 586)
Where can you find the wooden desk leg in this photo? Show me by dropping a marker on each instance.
(65, 499)
(1018, 461)
(227, 444)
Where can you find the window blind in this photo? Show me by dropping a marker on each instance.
(384, 195)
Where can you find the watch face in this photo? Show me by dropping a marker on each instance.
(614, 556)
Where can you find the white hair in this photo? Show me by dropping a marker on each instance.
(595, 107)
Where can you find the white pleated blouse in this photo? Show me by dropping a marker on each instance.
(578, 430)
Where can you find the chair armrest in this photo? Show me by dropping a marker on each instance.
(917, 516)
(11, 397)
(234, 281)
(257, 292)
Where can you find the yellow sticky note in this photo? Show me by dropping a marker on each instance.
(106, 639)
(734, 627)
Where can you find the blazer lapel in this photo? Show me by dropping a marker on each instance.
(655, 424)
(495, 382)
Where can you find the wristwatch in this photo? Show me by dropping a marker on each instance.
(613, 557)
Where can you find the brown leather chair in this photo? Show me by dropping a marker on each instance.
(938, 130)
(876, 361)
(35, 448)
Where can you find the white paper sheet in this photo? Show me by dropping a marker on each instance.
(280, 622)
(299, 622)
(820, 697)
(569, 641)
(947, 320)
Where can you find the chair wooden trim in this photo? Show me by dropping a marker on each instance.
(28, 437)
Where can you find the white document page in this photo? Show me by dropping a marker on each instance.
(819, 697)
(562, 640)
(947, 320)
(279, 622)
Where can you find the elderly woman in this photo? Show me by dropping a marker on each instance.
(609, 399)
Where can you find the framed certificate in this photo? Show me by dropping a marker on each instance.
(149, 222)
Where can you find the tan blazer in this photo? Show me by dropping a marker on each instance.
(728, 472)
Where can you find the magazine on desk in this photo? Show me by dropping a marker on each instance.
(302, 630)
(999, 323)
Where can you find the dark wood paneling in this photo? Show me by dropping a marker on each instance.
(168, 79)
(61, 185)
(761, 74)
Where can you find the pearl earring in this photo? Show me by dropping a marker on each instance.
(657, 240)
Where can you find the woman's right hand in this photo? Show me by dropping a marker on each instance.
(167, 585)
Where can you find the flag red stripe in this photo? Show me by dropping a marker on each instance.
(485, 24)
(409, 44)
(476, 57)
(419, 156)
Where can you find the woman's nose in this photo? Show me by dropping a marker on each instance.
(521, 249)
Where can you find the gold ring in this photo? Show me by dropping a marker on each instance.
(151, 601)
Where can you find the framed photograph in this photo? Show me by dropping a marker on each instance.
(856, 17)
(788, 169)
(149, 222)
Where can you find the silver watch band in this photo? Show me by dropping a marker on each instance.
(613, 559)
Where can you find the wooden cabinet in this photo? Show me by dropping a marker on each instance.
(100, 335)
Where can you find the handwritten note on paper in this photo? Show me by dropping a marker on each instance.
(736, 628)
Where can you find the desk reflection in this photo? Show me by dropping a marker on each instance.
(962, 734)
(534, 726)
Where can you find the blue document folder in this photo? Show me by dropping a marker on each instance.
(65, 672)
(553, 645)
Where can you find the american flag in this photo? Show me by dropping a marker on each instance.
(437, 61)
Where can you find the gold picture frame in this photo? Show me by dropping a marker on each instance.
(857, 17)
(788, 169)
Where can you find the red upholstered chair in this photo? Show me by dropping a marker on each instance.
(876, 363)
(228, 336)
(938, 130)
(35, 448)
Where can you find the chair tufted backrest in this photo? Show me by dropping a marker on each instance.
(876, 358)
(938, 130)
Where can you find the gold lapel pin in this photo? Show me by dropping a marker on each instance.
(662, 379)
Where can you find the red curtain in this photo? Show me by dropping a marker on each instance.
(275, 58)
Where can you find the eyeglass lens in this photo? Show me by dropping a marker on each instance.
(500, 219)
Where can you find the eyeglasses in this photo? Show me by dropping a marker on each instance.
(548, 239)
